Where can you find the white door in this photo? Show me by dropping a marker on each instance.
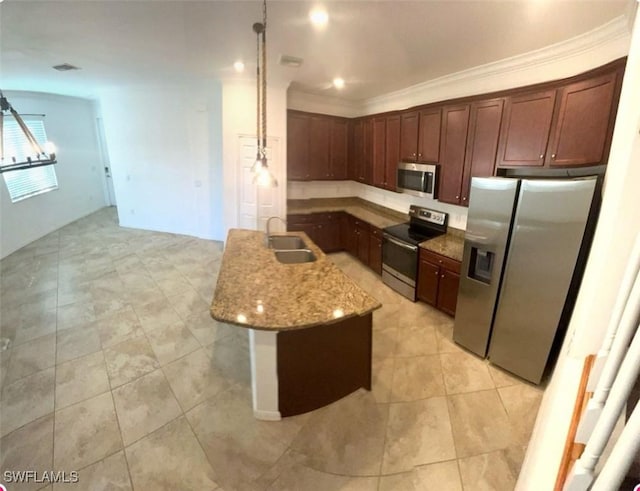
(106, 166)
(256, 204)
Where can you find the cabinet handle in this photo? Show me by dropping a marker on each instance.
(457, 197)
(435, 274)
(553, 155)
(440, 261)
(542, 156)
(442, 276)
(464, 198)
(419, 155)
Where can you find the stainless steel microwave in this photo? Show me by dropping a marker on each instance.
(418, 179)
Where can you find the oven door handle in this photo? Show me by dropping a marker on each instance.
(400, 244)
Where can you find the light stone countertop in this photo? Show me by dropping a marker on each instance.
(450, 244)
(255, 290)
(376, 215)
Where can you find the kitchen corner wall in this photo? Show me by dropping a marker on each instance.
(70, 123)
(165, 148)
(395, 201)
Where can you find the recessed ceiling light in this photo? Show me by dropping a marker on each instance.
(238, 66)
(338, 83)
(319, 18)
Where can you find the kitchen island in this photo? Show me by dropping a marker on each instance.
(309, 325)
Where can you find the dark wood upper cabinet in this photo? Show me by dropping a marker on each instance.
(525, 129)
(356, 153)
(429, 135)
(338, 149)
(297, 146)
(455, 121)
(367, 162)
(409, 124)
(378, 156)
(581, 134)
(319, 137)
(482, 142)
(392, 151)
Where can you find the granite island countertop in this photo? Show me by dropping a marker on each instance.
(255, 290)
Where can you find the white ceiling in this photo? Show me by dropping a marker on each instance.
(376, 46)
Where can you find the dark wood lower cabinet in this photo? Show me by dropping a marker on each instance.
(375, 250)
(363, 241)
(438, 281)
(339, 231)
(319, 365)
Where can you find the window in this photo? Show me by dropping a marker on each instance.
(25, 183)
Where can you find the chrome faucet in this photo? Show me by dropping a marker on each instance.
(268, 228)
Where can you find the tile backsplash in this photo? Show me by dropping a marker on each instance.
(395, 201)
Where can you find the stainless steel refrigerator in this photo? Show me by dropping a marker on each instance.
(525, 247)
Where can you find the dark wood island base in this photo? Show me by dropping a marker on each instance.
(319, 365)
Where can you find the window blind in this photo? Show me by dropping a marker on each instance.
(25, 183)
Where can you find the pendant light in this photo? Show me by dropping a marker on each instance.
(263, 177)
(33, 155)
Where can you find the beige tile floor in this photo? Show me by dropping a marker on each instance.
(116, 370)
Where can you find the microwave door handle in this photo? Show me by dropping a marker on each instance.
(401, 244)
(423, 184)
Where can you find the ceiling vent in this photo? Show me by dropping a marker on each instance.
(290, 61)
(65, 67)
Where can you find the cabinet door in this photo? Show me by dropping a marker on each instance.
(327, 234)
(580, 134)
(482, 142)
(525, 129)
(429, 135)
(297, 146)
(428, 279)
(363, 242)
(367, 162)
(338, 150)
(319, 137)
(356, 152)
(375, 250)
(378, 157)
(448, 291)
(409, 136)
(455, 121)
(392, 152)
(307, 228)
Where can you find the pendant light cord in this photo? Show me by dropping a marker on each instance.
(264, 78)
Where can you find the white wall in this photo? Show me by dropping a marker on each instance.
(70, 124)
(618, 225)
(239, 118)
(395, 201)
(164, 144)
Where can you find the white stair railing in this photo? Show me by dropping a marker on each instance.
(633, 267)
(583, 472)
(614, 347)
(621, 457)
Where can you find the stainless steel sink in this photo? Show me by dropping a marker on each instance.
(295, 256)
(286, 242)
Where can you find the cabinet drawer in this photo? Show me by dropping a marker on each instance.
(301, 218)
(440, 260)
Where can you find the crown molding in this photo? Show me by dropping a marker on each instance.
(579, 54)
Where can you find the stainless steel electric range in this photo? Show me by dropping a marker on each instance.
(400, 248)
